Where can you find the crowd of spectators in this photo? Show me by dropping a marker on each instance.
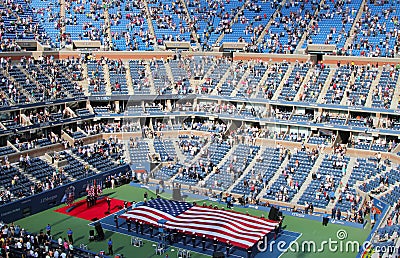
(106, 148)
(381, 23)
(17, 242)
(171, 19)
(287, 29)
(290, 171)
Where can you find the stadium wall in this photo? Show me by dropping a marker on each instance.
(127, 55)
(33, 204)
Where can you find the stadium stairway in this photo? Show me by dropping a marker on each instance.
(28, 75)
(396, 149)
(84, 83)
(261, 83)
(305, 81)
(222, 80)
(353, 27)
(83, 162)
(299, 49)
(179, 153)
(396, 96)
(150, 143)
(182, 158)
(15, 83)
(169, 72)
(189, 18)
(150, 78)
(126, 152)
(374, 85)
(372, 178)
(29, 176)
(107, 78)
(234, 20)
(149, 20)
(129, 79)
(266, 28)
(388, 191)
(220, 164)
(275, 177)
(326, 86)
(308, 180)
(47, 159)
(345, 98)
(239, 85)
(12, 146)
(206, 75)
(344, 181)
(248, 168)
(285, 77)
(198, 156)
(108, 26)
(25, 120)
(62, 16)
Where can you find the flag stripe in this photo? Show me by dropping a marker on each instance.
(212, 220)
(243, 219)
(146, 214)
(239, 229)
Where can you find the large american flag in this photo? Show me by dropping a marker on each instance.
(239, 229)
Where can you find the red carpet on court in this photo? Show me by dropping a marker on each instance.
(80, 209)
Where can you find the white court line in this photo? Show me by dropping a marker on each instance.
(289, 245)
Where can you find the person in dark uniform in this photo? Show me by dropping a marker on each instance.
(151, 231)
(184, 238)
(116, 221)
(203, 242)
(173, 235)
(249, 251)
(137, 226)
(215, 242)
(128, 224)
(108, 200)
(194, 240)
(228, 248)
(141, 228)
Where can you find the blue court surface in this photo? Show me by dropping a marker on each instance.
(270, 250)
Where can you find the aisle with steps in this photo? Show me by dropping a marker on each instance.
(129, 78)
(280, 87)
(107, 79)
(308, 180)
(248, 168)
(222, 162)
(325, 88)
(84, 162)
(396, 96)
(374, 86)
(84, 83)
(344, 181)
(282, 167)
(179, 154)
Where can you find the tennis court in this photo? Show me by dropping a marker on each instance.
(295, 229)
